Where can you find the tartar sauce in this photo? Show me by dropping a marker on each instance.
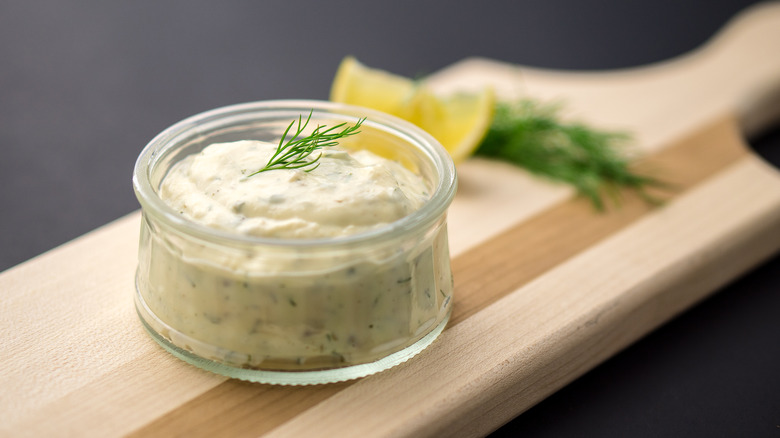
(283, 308)
(348, 193)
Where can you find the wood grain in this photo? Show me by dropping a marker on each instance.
(531, 248)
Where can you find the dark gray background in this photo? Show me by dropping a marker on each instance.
(84, 86)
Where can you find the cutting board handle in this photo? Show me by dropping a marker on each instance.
(737, 73)
(747, 52)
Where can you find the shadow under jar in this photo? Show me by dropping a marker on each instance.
(294, 311)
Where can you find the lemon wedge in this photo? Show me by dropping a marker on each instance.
(458, 122)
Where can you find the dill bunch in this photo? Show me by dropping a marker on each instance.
(531, 135)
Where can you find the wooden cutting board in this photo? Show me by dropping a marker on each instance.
(546, 288)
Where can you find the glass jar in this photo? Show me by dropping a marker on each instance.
(294, 311)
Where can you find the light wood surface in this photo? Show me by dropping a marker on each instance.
(546, 288)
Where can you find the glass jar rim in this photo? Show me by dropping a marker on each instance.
(436, 206)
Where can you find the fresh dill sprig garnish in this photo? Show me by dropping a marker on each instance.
(293, 153)
(532, 136)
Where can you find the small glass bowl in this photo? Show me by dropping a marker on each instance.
(294, 311)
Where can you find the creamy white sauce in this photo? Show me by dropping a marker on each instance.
(286, 308)
(346, 194)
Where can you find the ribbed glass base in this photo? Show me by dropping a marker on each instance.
(277, 377)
